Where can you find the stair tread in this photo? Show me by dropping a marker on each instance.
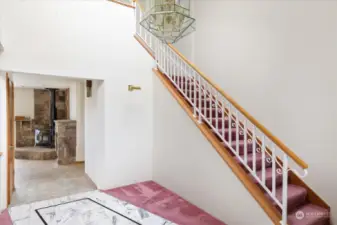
(241, 146)
(309, 214)
(296, 196)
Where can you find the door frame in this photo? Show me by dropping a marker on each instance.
(10, 137)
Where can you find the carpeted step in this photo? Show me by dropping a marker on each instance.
(220, 122)
(233, 131)
(309, 214)
(269, 175)
(258, 161)
(210, 112)
(242, 146)
(188, 85)
(296, 196)
(191, 94)
(203, 104)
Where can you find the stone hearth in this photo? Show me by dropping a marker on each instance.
(35, 153)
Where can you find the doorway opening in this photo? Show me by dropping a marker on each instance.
(46, 135)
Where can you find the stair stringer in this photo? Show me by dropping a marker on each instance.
(199, 174)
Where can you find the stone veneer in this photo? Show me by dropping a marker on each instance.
(24, 133)
(61, 107)
(35, 153)
(42, 108)
(25, 129)
(65, 141)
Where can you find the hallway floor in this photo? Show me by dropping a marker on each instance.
(37, 180)
(145, 203)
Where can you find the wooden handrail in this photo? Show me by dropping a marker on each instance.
(272, 137)
(263, 129)
(122, 3)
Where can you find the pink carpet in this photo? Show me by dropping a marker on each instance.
(157, 200)
(164, 203)
(5, 218)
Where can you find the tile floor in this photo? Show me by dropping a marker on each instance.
(145, 203)
(94, 208)
(37, 180)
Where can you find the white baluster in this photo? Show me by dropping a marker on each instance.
(200, 103)
(165, 58)
(245, 140)
(184, 77)
(273, 161)
(205, 99)
(209, 92)
(254, 149)
(176, 71)
(229, 125)
(195, 93)
(190, 81)
(263, 151)
(223, 120)
(237, 124)
(216, 112)
(285, 190)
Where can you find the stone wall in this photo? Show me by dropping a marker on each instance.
(41, 108)
(25, 129)
(65, 141)
(24, 133)
(61, 108)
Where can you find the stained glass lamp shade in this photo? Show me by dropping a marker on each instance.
(169, 20)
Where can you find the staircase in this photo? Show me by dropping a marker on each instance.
(258, 158)
(300, 209)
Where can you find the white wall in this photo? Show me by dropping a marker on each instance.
(186, 163)
(24, 102)
(94, 40)
(278, 60)
(85, 39)
(95, 134)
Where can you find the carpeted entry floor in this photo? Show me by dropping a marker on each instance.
(155, 199)
(161, 201)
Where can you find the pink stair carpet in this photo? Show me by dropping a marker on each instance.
(300, 210)
(164, 203)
